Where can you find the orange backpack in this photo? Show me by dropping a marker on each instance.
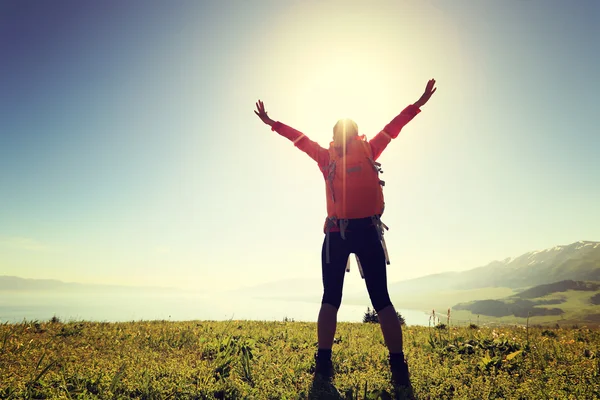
(353, 187)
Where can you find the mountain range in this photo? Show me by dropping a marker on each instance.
(579, 261)
(14, 283)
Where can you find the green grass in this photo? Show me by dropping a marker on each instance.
(273, 360)
(576, 305)
(573, 299)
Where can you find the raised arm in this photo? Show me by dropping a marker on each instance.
(300, 140)
(392, 130)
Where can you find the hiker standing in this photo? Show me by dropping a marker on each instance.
(353, 225)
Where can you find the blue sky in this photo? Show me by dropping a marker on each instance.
(130, 153)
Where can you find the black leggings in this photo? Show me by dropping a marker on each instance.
(362, 239)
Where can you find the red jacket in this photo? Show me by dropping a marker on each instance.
(377, 143)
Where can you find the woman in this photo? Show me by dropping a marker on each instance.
(353, 225)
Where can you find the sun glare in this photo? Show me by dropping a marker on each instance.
(334, 89)
(344, 67)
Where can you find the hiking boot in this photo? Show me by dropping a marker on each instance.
(323, 368)
(400, 375)
(401, 379)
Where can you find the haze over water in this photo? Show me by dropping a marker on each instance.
(112, 307)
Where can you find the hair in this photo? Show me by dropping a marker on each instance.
(344, 130)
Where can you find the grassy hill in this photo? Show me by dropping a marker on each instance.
(557, 287)
(564, 302)
(273, 360)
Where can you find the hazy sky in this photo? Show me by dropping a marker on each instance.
(130, 153)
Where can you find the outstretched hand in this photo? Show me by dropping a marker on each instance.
(429, 90)
(262, 114)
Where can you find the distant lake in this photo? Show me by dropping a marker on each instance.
(117, 307)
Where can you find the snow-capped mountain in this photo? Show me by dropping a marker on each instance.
(578, 261)
(553, 255)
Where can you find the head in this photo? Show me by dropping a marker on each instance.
(344, 130)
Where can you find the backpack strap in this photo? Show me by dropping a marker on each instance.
(331, 221)
(331, 177)
(376, 166)
(329, 169)
(362, 275)
(380, 226)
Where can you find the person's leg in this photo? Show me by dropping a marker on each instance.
(372, 258)
(391, 328)
(333, 282)
(326, 326)
(369, 250)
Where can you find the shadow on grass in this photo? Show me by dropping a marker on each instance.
(325, 390)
